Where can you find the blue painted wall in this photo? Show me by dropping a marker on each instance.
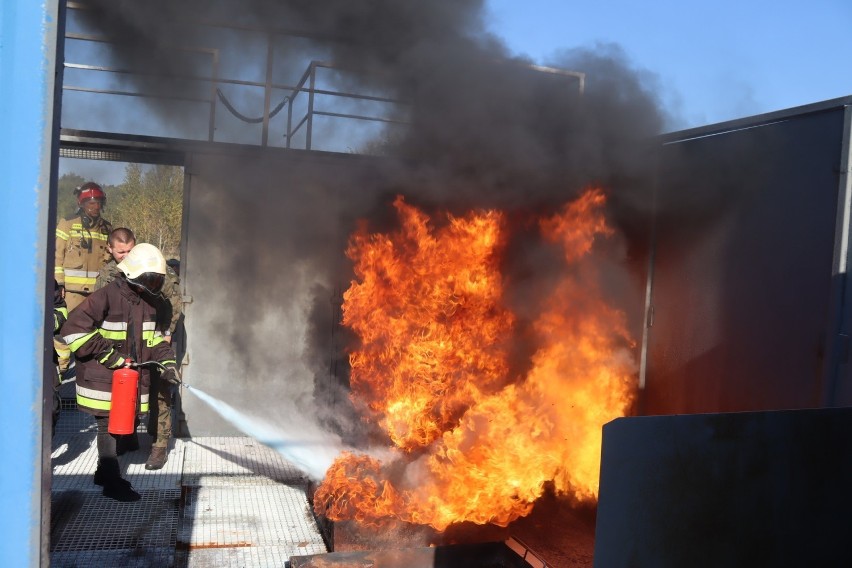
(28, 33)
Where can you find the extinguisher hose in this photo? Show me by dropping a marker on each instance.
(134, 365)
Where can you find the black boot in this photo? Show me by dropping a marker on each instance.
(100, 474)
(115, 487)
(128, 443)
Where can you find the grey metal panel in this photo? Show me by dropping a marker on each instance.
(745, 236)
(741, 489)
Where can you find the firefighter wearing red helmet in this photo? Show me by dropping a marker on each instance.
(81, 245)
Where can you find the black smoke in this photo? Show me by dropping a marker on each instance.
(483, 128)
(483, 125)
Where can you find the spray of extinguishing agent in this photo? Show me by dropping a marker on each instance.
(313, 458)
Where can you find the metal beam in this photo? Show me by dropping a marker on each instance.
(29, 33)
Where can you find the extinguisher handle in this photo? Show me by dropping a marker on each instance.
(134, 365)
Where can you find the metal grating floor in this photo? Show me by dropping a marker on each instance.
(218, 502)
(141, 558)
(79, 521)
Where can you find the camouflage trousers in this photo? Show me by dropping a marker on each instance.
(160, 421)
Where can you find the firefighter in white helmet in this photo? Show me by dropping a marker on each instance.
(169, 309)
(114, 324)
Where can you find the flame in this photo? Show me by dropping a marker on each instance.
(426, 307)
(473, 443)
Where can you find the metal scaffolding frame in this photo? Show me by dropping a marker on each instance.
(306, 87)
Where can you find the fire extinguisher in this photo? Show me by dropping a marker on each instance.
(122, 412)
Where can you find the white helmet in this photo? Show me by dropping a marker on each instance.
(145, 267)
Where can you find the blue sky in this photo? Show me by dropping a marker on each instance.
(715, 61)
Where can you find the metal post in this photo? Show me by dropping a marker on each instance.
(836, 362)
(289, 133)
(310, 124)
(267, 93)
(28, 40)
(648, 317)
(214, 85)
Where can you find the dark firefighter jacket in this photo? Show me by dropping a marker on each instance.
(111, 325)
(169, 303)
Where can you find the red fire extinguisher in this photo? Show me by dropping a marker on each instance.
(122, 412)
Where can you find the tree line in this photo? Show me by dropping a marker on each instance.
(149, 202)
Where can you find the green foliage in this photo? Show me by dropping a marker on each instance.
(150, 203)
(66, 202)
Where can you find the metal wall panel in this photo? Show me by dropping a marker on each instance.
(742, 274)
(739, 489)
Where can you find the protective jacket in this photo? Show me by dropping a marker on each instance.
(60, 310)
(112, 324)
(170, 303)
(80, 253)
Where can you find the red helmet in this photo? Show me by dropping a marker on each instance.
(89, 190)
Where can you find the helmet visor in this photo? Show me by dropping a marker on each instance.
(150, 281)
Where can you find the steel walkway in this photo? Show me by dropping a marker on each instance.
(218, 502)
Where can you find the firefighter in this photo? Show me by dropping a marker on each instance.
(169, 306)
(114, 324)
(81, 245)
(81, 250)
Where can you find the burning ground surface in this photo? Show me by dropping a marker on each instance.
(476, 436)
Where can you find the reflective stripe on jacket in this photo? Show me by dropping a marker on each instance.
(80, 253)
(167, 315)
(111, 325)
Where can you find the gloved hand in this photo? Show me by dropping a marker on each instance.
(60, 316)
(170, 375)
(112, 360)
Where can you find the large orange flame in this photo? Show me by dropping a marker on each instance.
(475, 445)
(427, 310)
